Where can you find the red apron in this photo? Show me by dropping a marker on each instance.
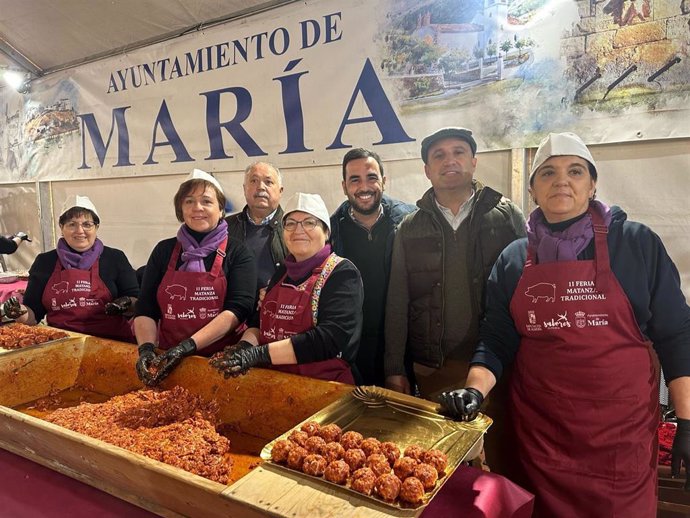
(288, 310)
(190, 300)
(585, 392)
(76, 299)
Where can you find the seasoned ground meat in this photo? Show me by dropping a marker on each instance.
(315, 444)
(363, 481)
(296, 457)
(388, 487)
(311, 428)
(391, 451)
(299, 438)
(378, 463)
(355, 458)
(351, 440)
(370, 445)
(331, 432)
(427, 475)
(437, 459)
(337, 471)
(404, 467)
(415, 451)
(280, 451)
(314, 465)
(412, 490)
(333, 451)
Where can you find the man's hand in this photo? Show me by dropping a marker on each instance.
(144, 368)
(680, 451)
(239, 358)
(23, 236)
(12, 309)
(118, 306)
(399, 383)
(463, 403)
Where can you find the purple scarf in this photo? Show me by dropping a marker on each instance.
(568, 243)
(297, 270)
(78, 260)
(193, 253)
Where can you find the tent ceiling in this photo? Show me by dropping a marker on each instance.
(43, 36)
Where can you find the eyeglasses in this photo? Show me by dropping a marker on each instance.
(307, 224)
(86, 225)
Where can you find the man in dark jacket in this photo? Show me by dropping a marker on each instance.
(259, 224)
(362, 229)
(442, 257)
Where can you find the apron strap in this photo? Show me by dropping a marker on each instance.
(601, 252)
(326, 269)
(217, 267)
(172, 263)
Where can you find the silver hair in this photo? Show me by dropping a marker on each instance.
(253, 165)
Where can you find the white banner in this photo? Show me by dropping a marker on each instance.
(300, 84)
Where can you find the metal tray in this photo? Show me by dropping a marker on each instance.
(4, 351)
(405, 420)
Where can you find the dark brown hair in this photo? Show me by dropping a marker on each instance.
(190, 186)
(75, 212)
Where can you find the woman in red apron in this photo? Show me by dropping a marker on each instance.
(81, 286)
(310, 319)
(581, 306)
(198, 287)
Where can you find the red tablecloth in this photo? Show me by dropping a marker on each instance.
(28, 490)
(10, 289)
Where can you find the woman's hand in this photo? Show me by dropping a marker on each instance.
(118, 306)
(145, 372)
(463, 403)
(12, 309)
(239, 358)
(154, 369)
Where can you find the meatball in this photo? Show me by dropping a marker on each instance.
(314, 465)
(437, 459)
(351, 440)
(388, 487)
(296, 456)
(391, 451)
(311, 428)
(378, 463)
(412, 490)
(363, 481)
(370, 445)
(355, 458)
(280, 451)
(315, 444)
(299, 437)
(415, 451)
(337, 472)
(427, 475)
(331, 432)
(404, 467)
(333, 451)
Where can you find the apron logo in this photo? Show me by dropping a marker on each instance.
(580, 320)
(60, 287)
(542, 290)
(532, 317)
(187, 315)
(176, 291)
(559, 323)
(71, 303)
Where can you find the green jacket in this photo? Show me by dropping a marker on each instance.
(237, 228)
(415, 302)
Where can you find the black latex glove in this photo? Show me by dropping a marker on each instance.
(12, 309)
(680, 451)
(463, 403)
(23, 236)
(144, 364)
(238, 359)
(165, 363)
(118, 306)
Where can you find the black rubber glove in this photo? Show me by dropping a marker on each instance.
(165, 363)
(118, 306)
(144, 364)
(12, 309)
(238, 359)
(23, 236)
(463, 403)
(680, 451)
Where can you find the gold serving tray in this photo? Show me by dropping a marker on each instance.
(405, 420)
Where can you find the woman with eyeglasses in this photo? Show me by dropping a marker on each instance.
(310, 319)
(198, 286)
(82, 285)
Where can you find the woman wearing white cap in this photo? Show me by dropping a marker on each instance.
(82, 285)
(578, 306)
(310, 320)
(198, 287)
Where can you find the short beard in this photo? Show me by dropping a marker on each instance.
(366, 212)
